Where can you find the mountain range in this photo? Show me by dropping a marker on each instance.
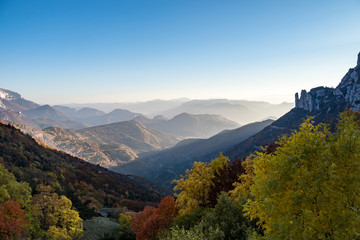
(166, 165)
(240, 111)
(41, 117)
(189, 125)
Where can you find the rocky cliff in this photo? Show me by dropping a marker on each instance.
(345, 95)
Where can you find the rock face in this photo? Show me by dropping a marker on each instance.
(346, 94)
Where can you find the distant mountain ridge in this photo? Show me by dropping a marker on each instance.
(240, 111)
(46, 112)
(190, 125)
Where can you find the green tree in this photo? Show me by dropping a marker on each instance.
(55, 216)
(196, 233)
(125, 231)
(10, 189)
(227, 218)
(309, 187)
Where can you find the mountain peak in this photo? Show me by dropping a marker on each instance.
(358, 60)
(8, 95)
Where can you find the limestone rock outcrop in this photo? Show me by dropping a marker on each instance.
(346, 94)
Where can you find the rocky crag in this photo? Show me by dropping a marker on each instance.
(324, 104)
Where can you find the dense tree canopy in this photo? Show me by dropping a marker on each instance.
(55, 216)
(308, 187)
(11, 189)
(195, 185)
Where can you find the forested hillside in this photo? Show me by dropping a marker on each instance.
(79, 180)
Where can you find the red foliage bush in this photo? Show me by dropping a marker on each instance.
(12, 220)
(151, 221)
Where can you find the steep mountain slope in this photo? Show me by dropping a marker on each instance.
(324, 104)
(13, 101)
(79, 145)
(166, 165)
(79, 180)
(130, 133)
(188, 125)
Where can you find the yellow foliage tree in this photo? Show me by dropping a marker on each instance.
(55, 215)
(309, 187)
(195, 184)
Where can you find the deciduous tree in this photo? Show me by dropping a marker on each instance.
(12, 220)
(195, 185)
(151, 221)
(309, 187)
(55, 215)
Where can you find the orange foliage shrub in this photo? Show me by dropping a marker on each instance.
(151, 221)
(12, 220)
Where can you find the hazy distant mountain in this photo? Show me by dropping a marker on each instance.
(324, 104)
(94, 117)
(46, 112)
(240, 111)
(168, 164)
(148, 108)
(188, 125)
(13, 101)
(117, 115)
(81, 114)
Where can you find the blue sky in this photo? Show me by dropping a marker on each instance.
(85, 51)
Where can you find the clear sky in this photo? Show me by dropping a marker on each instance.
(85, 51)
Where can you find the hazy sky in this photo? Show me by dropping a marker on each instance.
(72, 51)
